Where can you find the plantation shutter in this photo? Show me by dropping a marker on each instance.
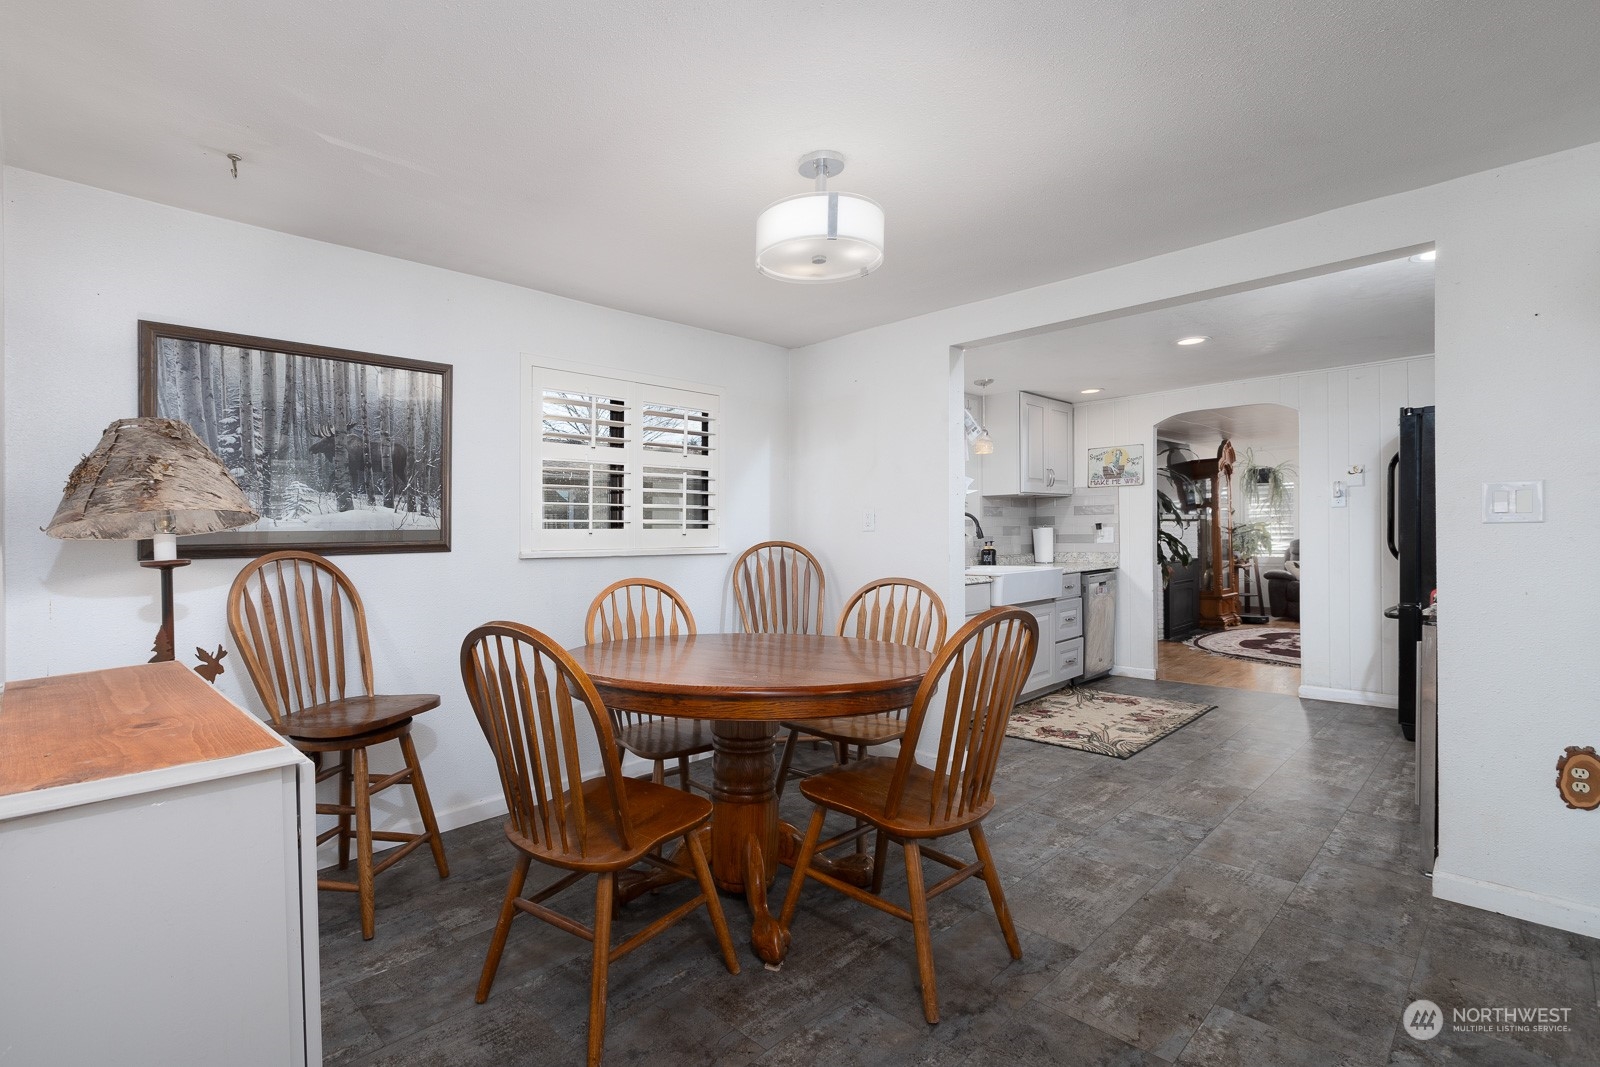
(616, 466)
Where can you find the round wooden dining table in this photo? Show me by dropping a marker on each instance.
(746, 684)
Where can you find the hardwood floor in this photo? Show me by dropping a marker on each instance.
(1178, 662)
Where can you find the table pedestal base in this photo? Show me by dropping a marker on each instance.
(747, 840)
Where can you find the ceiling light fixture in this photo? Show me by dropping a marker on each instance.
(1426, 257)
(1195, 339)
(977, 434)
(820, 236)
(1086, 392)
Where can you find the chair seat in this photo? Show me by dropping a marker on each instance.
(861, 789)
(659, 813)
(869, 730)
(663, 738)
(340, 720)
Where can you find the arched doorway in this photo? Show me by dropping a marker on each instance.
(1227, 605)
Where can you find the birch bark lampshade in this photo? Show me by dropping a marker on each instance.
(151, 478)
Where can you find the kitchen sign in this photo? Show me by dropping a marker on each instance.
(1117, 465)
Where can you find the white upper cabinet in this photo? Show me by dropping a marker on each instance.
(1032, 447)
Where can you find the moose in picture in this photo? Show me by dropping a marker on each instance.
(339, 451)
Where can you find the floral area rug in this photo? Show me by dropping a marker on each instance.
(1112, 724)
(1260, 643)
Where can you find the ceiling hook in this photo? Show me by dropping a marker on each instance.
(234, 158)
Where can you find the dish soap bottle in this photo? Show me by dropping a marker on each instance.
(986, 555)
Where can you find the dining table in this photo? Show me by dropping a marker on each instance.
(745, 685)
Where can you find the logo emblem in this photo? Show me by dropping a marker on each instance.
(1422, 1019)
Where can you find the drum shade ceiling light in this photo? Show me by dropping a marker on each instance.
(820, 236)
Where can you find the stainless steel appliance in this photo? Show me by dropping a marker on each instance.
(1099, 622)
(1411, 541)
(1428, 738)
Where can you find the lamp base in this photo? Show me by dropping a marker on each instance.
(163, 646)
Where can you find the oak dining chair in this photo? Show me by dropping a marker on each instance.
(778, 587)
(526, 692)
(977, 677)
(902, 610)
(301, 630)
(643, 607)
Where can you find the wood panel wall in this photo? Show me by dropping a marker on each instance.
(1347, 415)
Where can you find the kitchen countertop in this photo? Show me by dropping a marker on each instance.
(1075, 563)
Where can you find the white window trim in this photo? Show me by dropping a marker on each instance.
(536, 373)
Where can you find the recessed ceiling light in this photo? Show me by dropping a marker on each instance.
(1426, 257)
(1086, 392)
(1196, 339)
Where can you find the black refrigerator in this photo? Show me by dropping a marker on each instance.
(1411, 540)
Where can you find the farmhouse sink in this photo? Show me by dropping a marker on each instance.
(1020, 584)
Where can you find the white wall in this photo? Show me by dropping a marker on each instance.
(83, 266)
(1516, 378)
(1347, 415)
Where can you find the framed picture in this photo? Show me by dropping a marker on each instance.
(1117, 465)
(339, 451)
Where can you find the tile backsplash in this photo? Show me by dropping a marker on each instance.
(1009, 521)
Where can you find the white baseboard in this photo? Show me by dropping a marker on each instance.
(1147, 673)
(1349, 696)
(1570, 915)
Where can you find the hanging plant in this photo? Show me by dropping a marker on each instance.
(1277, 479)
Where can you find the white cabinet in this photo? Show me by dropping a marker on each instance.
(1044, 662)
(157, 900)
(1032, 446)
(1060, 656)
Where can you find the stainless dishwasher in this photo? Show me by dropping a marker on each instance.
(1099, 622)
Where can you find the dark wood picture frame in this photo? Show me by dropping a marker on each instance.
(341, 451)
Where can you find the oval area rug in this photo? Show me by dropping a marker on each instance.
(1261, 643)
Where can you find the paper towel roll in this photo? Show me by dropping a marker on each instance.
(1044, 544)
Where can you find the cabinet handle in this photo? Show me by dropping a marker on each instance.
(1049, 477)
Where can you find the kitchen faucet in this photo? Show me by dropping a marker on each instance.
(978, 525)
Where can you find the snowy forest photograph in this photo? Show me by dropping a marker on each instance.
(339, 451)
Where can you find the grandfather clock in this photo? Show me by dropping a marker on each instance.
(1219, 593)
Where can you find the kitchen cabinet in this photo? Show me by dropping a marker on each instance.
(1032, 446)
(1068, 658)
(1042, 676)
(1060, 656)
(157, 898)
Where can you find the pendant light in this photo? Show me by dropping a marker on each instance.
(820, 236)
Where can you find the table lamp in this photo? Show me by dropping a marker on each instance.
(151, 478)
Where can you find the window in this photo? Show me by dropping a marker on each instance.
(614, 466)
(1282, 521)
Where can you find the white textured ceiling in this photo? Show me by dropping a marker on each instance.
(619, 151)
(1360, 315)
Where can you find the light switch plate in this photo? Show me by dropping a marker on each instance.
(1513, 501)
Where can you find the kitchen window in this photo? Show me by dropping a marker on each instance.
(617, 465)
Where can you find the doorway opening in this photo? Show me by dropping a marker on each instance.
(1227, 533)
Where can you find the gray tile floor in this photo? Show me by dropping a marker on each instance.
(1245, 891)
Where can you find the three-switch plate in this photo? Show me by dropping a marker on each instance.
(1513, 501)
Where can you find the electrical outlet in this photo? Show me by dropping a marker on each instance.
(869, 522)
(1105, 535)
(1341, 499)
(1578, 777)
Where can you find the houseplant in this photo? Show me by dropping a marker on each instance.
(1277, 479)
(1251, 539)
(1170, 549)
